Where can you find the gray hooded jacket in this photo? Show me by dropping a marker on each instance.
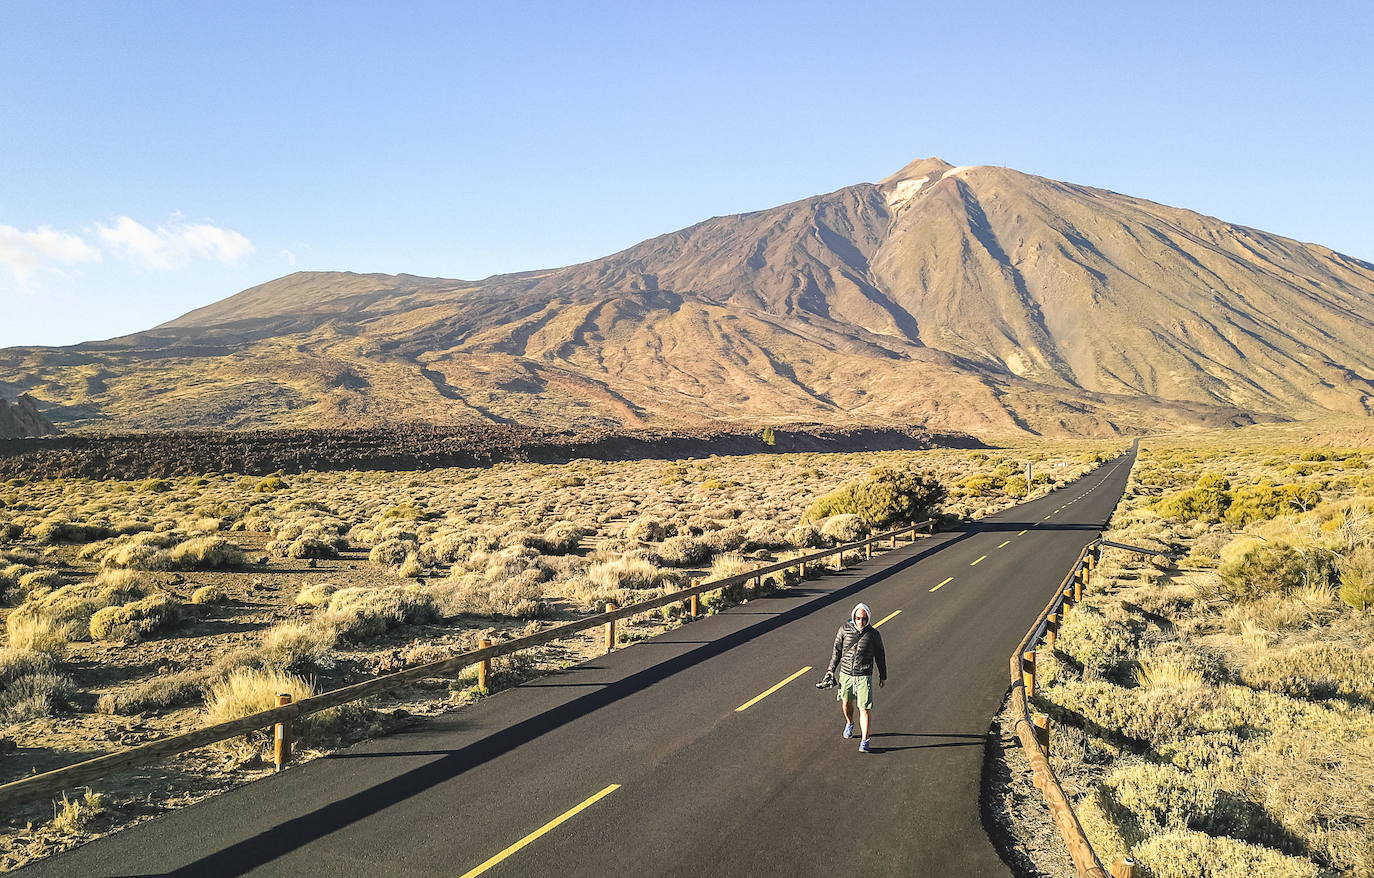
(856, 652)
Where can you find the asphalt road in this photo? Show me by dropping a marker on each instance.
(643, 763)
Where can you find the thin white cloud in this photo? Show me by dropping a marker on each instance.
(26, 254)
(173, 245)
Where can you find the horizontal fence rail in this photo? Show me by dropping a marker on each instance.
(58, 780)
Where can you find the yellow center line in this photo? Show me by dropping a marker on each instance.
(1021, 534)
(885, 618)
(770, 690)
(552, 824)
(979, 561)
(943, 584)
(1004, 545)
(1047, 517)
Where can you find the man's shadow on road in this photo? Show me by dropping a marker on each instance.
(959, 741)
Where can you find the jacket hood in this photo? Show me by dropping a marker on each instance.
(861, 606)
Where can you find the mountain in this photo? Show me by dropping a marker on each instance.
(22, 419)
(965, 298)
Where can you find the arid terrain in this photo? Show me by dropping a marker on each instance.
(138, 609)
(978, 299)
(1213, 714)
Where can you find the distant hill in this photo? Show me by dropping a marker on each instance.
(22, 420)
(976, 299)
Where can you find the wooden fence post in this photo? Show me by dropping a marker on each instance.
(1078, 585)
(1051, 630)
(1041, 725)
(1028, 672)
(1124, 867)
(868, 550)
(610, 628)
(694, 602)
(281, 737)
(484, 669)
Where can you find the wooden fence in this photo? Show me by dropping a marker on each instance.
(1034, 729)
(278, 719)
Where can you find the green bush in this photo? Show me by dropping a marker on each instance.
(1357, 578)
(887, 497)
(1251, 569)
(1208, 500)
(1266, 500)
(978, 485)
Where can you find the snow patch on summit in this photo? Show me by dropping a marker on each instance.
(904, 191)
(959, 170)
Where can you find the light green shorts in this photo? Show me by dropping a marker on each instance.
(858, 689)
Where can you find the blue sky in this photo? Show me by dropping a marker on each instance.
(155, 157)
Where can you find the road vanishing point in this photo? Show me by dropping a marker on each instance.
(706, 751)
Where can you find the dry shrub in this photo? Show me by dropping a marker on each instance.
(209, 594)
(1101, 636)
(361, 613)
(471, 594)
(844, 528)
(1154, 716)
(73, 815)
(392, 552)
(631, 572)
(307, 546)
(69, 608)
(724, 566)
(1170, 669)
(157, 693)
(32, 633)
(1303, 607)
(1319, 670)
(144, 551)
(1251, 569)
(30, 685)
(206, 553)
(680, 551)
(298, 646)
(410, 568)
(1357, 578)
(1186, 854)
(137, 619)
(1321, 789)
(45, 578)
(561, 539)
(805, 536)
(245, 691)
(315, 594)
(649, 529)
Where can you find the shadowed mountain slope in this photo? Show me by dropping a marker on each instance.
(971, 298)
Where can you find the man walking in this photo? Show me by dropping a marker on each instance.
(858, 647)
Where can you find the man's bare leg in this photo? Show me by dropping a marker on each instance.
(847, 708)
(864, 716)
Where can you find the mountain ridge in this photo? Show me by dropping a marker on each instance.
(958, 297)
